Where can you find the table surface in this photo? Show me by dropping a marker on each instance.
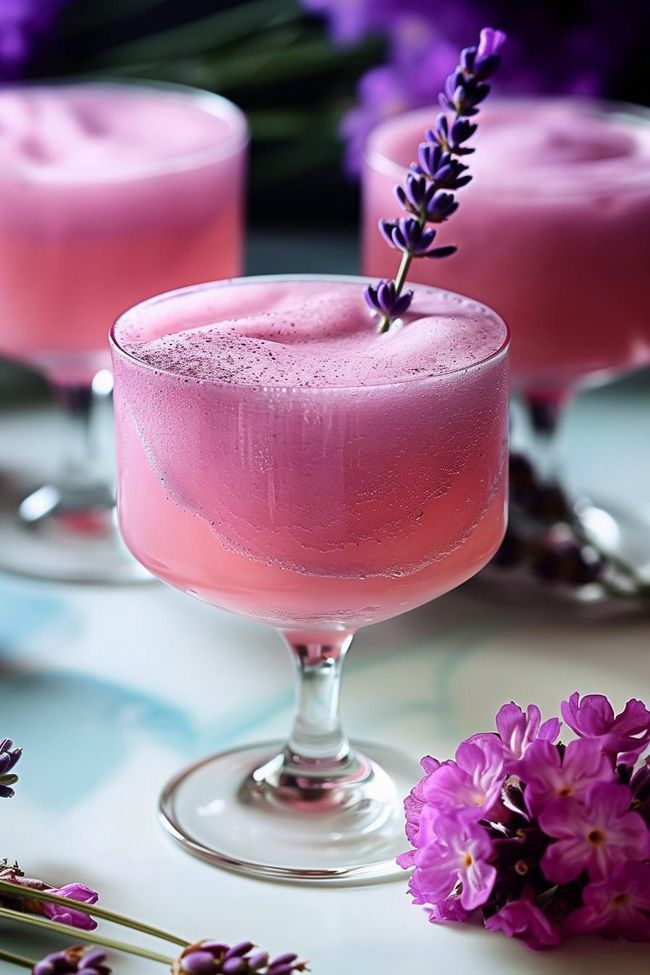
(110, 691)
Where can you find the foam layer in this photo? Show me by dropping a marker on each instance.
(545, 145)
(101, 130)
(314, 334)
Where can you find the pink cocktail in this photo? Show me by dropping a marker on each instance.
(279, 458)
(553, 232)
(109, 193)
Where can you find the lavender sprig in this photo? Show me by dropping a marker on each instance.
(426, 195)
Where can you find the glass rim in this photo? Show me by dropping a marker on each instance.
(380, 161)
(177, 293)
(209, 102)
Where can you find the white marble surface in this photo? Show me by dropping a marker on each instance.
(111, 691)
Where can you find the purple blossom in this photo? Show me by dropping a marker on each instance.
(408, 236)
(23, 23)
(618, 906)
(55, 912)
(594, 836)
(216, 958)
(486, 60)
(460, 854)
(9, 757)
(419, 195)
(413, 806)
(73, 961)
(536, 837)
(68, 915)
(522, 919)
(625, 735)
(384, 299)
(550, 775)
(472, 782)
(438, 165)
(518, 731)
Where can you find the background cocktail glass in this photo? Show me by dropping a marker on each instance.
(154, 196)
(317, 510)
(554, 233)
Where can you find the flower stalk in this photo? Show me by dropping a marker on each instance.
(100, 912)
(13, 959)
(96, 939)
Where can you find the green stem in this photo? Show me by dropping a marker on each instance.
(16, 959)
(92, 909)
(62, 929)
(400, 278)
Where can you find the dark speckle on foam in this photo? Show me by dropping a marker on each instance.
(314, 334)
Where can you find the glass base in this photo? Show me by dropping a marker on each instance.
(618, 532)
(223, 810)
(45, 537)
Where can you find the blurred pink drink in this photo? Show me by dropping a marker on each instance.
(109, 193)
(279, 458)
(553, 232)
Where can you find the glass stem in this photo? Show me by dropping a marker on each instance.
(75, 404)
(544, 418)
(317, 737)
(317, 767)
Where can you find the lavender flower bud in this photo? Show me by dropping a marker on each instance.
(487, 57)
(407, 235)
(216, 958)
(440, 167)
(384, 299)
(440, 207)
(73, 961)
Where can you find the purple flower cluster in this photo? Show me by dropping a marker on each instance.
(73, 961)
(426, 196)
(9, 757)
(539, 839)
(54, 912)
(216, 958)
(554, 48)
(22, 24)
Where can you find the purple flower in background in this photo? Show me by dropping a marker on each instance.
(551, 775)
(73, 961)
(460, 854)
(554, 48)
(522, 919)
(518, 731)
(595, 836)
(9, 757)
(67, 915)
(625, 735)
(22, 24)
(619, 905)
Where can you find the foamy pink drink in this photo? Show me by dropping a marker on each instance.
(109, 193)
(279, 458)
(553, 232)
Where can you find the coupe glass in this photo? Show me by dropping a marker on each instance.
(109, 192)
(316, 510)
(554, 233)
